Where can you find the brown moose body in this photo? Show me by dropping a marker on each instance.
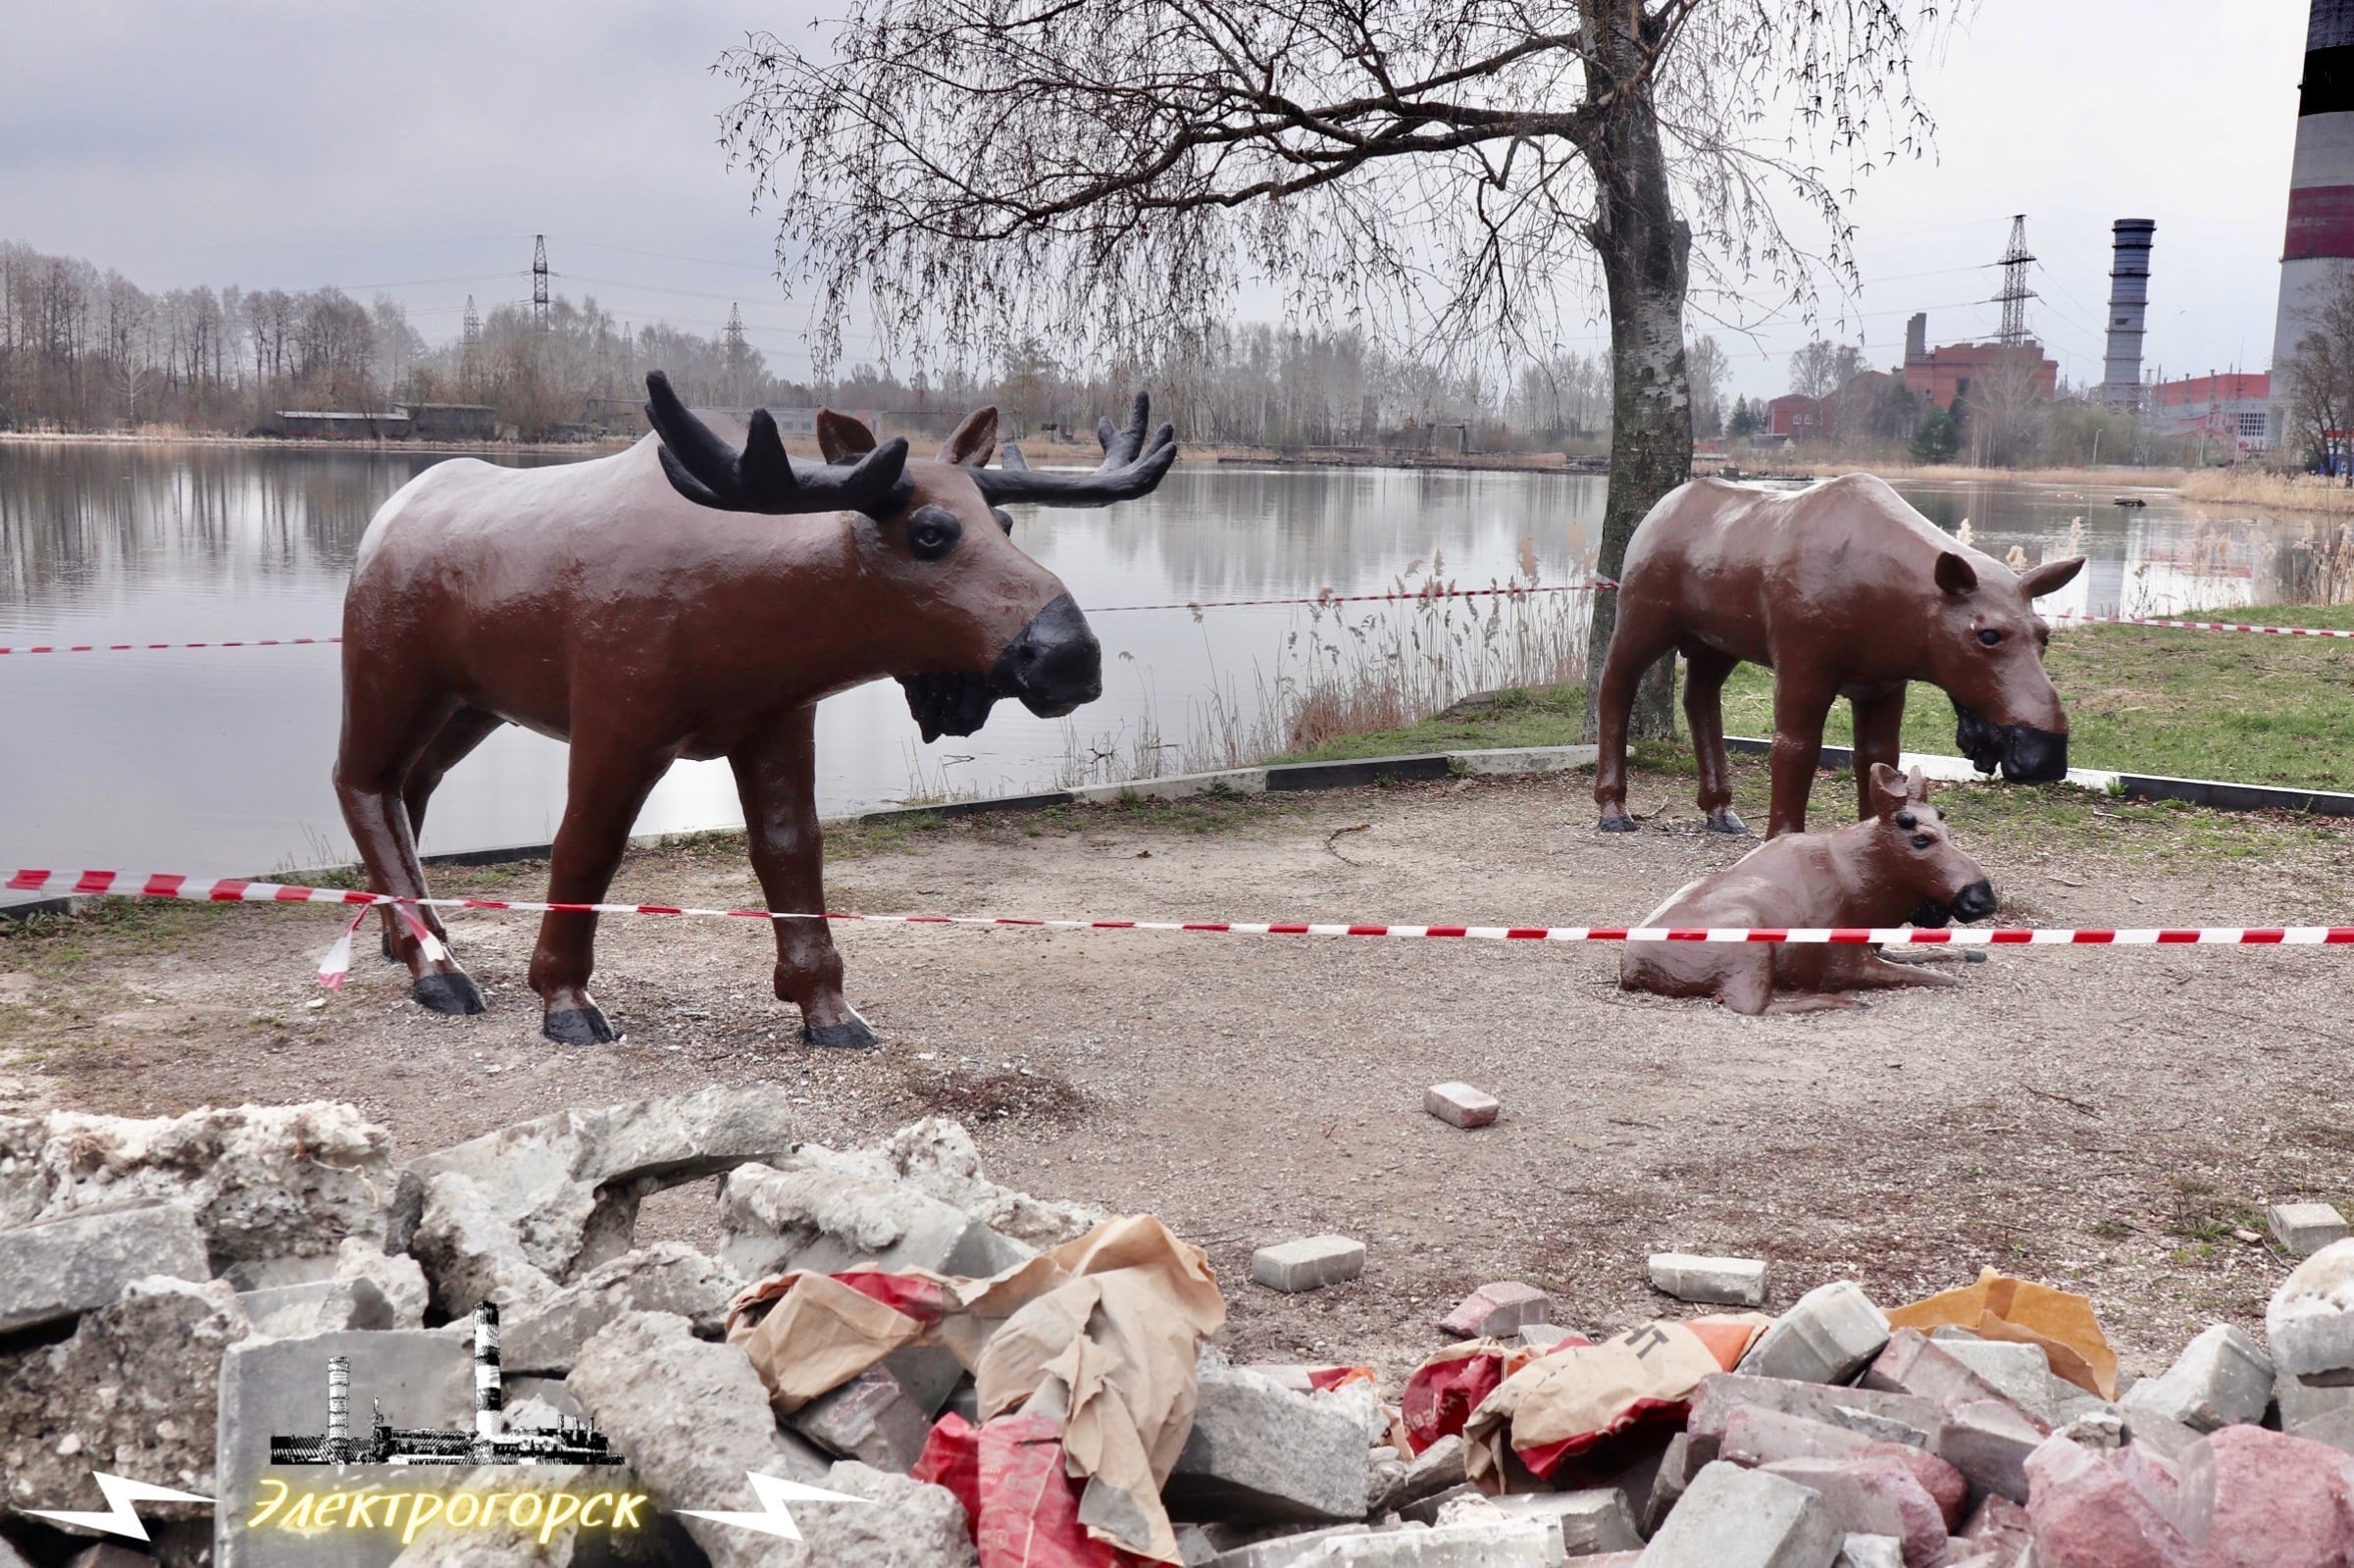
(1843, 591)
(681, 600)
(1894, 866)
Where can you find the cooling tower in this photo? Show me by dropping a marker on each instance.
(2321, 185)
(489, 1423)
(2128, 302)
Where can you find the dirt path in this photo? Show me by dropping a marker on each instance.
(2098, 1119)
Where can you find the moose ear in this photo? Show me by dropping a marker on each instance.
(2051, 576)
(842, 438)
(1916, 783)
(972, 442)
(1955, 574)
(1891, 791)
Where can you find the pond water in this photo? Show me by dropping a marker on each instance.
(216, 762)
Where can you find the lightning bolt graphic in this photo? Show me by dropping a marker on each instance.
(118, 1519)
(773, 1493)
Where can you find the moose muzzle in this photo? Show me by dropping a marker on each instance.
(2025, 753)
(1973, 902)
(1056, 665)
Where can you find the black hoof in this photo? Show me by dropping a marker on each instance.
(851, 1035)
(453, 992)
(577, 1026)
(1617, 824)
(1728, 822)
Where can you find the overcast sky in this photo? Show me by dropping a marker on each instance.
(414, 149)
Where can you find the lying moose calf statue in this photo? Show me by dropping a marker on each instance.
(682, 599)
(1843, 591)
(1897, 865)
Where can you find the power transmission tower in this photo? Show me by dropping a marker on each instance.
(540, 281)
(2015, 293)
(470, 347)
(735, 354)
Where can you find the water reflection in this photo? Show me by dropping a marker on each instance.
(216, 761)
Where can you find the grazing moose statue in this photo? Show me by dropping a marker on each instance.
(1895, 865)
(626, 606)
(1842, 590)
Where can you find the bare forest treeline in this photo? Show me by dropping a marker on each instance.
(85, 349)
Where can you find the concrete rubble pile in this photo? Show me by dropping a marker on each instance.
(170, 1290)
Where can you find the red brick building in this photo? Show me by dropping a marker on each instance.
(1795, 418)
(1939, 376)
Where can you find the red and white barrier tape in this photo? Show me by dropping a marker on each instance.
(2197, 625)
(237, 890)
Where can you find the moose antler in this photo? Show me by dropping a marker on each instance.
(1130, 468)
(699, 466)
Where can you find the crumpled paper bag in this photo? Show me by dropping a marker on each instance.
(2000, 1308)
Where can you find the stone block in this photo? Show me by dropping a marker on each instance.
(471, 1252)
(1427, 1511)
(1439, 1468)
(1723, 1282)
(825, 1220)
(1826, 1336)
(1259, 1452)
(937, 1155)
(2160, 1434)
(1307, 1265)
(1734, 1518)
(264, 1181)
(54, 1272)
(1916, 1364)
(570, 1183)
(1543, 1336)
(2300, 1401)
(2091, 1509)
(1461, 1105)
(1487, 1544)
(2310, 1323)
(132, 1390)
(870, 1419)
(2019, 1373)
(1595, 1520)
(1859, 1551)
(2337, 1429)
(1667, 1482)
(1888, 1416)
(1281, 1551)
(398, 1277)
(323, 1306)
(1497, 1311)
(2221, 1377)
(1988, 1441)
(2253, 1498)
(666, 1277)
(1873, 1496)
(2304, 1228)
(1757, 1435)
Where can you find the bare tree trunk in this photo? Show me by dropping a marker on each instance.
(1646, 255)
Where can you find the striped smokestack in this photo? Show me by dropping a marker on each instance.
(339, 1409)
(487, 1419)
(2320, 185)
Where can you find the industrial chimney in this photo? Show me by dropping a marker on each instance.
(2128, 302)
(339, 1409)
(1916, 338)
(2320, 188)
(488, 1423)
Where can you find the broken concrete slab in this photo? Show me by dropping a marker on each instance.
(1916, 1364)
(1989, 1441)
(871, 1419)
(1259, 1452)
(2309, 1321)
(1461, 1105)
(2301, 1403)
(1497, 1311)
(323, 1306)
(937, 1156)
(809, 1215)
(399, 1278)
(132, 1390)
(2304, 1228)
(1873, 1496)
(1722, 1282)
(666, 1276)
(263, 1181)
(471, 1252)
(1826, 1336)
(57, 1271)
(1278, 1551)
(570, 1183)
(1309, 1264)
(1439, 1468)
(1734, 1518)
(1888, 1416)
(2221, 1377)
(1486, 1543)
(2019, 1372)
(1594, 1520)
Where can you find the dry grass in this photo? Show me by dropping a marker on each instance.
(2104, 477)
(2270, 491)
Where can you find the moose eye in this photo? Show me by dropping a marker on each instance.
(1005, 518)
(1922, 840)
(932, 532)
(1990, 636)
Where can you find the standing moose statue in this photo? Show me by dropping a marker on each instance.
(1843, 591)
(618, 605)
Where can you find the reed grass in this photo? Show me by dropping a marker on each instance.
(2269, 490)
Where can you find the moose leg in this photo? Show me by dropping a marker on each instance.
(776, 777)
(606, 782)
(1642, 638)
(1799, 706)
(1705, 672)
(459, 735)
(1879, 728)
(387, 727)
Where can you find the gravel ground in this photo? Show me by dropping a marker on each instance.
(2102, 1120)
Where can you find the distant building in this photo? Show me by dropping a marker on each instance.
(1795, 417)
(1940, 375)
(453, 421)
(314, 425)
(2231, 411)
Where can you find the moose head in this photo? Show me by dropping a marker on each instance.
(1987, 653)
(988, 622)
(1907, 858)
